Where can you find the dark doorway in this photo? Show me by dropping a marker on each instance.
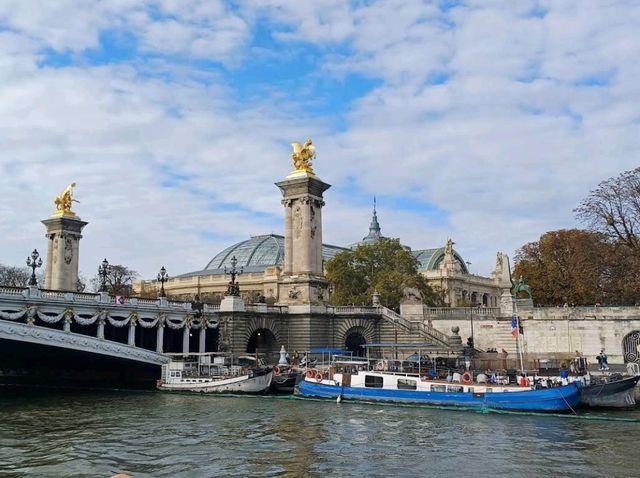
(354, 342)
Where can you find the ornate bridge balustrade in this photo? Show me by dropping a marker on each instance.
(97, 323)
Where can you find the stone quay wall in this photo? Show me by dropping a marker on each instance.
(553, 332)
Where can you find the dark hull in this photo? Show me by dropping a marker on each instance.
(284, 383)
(618, 394)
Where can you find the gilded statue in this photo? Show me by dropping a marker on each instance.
(303, 155)
(64, 201)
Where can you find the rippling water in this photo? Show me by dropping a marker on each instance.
(96, 434)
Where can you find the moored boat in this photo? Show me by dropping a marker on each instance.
(215, 373)
(397, 381)
(608, 393)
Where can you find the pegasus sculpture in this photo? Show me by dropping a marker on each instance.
(303, 155)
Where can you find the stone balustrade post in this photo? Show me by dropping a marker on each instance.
(100, 333)
(203, 338)
(160, 336)
(185, 339)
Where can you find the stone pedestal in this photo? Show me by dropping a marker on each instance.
(64, 234)
(232, 303)
(303, 279)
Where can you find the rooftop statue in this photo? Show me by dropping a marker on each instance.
(64, 201)
(302, 156)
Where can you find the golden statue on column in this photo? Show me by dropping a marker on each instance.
(302, 156)
(64, 202)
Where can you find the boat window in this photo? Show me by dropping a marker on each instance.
(438, 388)
(406, 384)
(373, 381)
(455, 388)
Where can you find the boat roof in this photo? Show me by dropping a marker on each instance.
(411, 345)
(328, 350)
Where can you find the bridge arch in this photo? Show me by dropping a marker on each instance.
(631, 347)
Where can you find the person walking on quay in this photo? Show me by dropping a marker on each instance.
(602, 361)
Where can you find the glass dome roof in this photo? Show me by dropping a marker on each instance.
(260, 252)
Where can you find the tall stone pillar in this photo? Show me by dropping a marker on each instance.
(64, 233)
(303, 279)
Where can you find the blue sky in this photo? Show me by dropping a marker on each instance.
(483, 121)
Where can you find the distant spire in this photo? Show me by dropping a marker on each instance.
(374, 228)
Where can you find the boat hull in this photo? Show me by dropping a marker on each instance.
(241, 384)
(544, 400)
(618, 394)
(285, 383)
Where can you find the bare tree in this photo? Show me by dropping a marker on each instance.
(614, 208)
(12, 276)
(119, 280)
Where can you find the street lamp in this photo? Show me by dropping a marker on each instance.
(103, 272)
(233, 288)
(162, 278)
(34, 262)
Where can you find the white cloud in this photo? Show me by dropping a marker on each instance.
(506, 146)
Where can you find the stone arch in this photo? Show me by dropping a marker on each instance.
(257, 324)
(630, 347)
(351, 326)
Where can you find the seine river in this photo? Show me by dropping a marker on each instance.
(97, 434)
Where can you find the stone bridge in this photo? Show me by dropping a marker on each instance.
(138, 330)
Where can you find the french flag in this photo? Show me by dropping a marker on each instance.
(514, 326)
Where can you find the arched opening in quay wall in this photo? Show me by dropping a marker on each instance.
(262, 341)
(631, 347)
(354, 340)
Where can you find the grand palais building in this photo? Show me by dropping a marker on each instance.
(261, 259)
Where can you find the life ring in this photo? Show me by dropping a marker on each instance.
(319, 377)
(277, 371)
(380, 366)
(310, 373)
(524, 382)
(467, 378)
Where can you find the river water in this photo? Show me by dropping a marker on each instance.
(97, 434)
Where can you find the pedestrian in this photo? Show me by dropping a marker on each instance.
(602, 360)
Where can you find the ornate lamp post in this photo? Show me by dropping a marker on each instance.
(162, 278)
(103, 272)
(34, 262)
(233, 288)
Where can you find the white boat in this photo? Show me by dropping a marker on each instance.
(215, 373)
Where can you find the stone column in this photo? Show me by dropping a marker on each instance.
(303, 278)
(64, 234)
(160, 337)
(100, 333)
(288, 238)
(203, 339)
(132, 333)
(185, 339)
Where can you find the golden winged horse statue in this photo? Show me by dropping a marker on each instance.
(303, 155)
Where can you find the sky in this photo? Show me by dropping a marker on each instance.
(483, 121)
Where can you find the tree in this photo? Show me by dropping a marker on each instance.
(579, 267)
(613, 208)
(119, 280)
(385, 267)
(12, 276)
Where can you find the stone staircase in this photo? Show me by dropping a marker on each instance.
(503, 338)
(414, 327)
